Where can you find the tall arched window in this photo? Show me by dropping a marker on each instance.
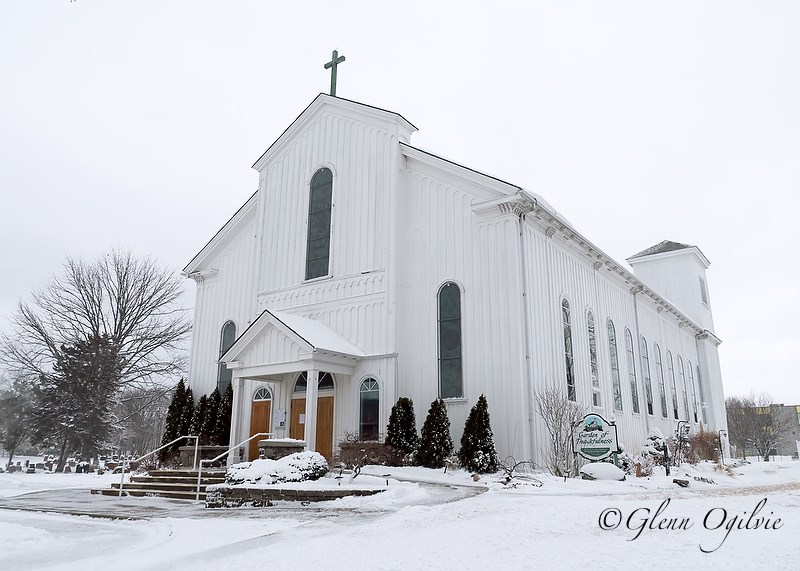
(450, 377)
(615, 382)
(593, 359)
(694, 391)
(226, 339)
(702, 396)
(369, 400)
(683, 382)
(648, 390)
(632, 370)
(570, 364)
(671, 370)
(660, 378)
(319, 224)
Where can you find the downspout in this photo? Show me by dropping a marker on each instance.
(521, 209)
(646, 414)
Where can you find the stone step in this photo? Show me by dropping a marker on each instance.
(185, 487)
(178, 479)
(171, 494)
(211, 473)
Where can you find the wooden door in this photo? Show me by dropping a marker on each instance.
(324, 424)
(259, 422)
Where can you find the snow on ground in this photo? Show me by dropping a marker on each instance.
(560, 524)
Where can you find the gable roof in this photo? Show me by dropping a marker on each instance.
(660, 248)
(321, 101)
(227, 229)
(313, 335)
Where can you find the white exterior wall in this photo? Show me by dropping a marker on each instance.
(482, 259)
(225, 295)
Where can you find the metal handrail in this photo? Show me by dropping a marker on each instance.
(122, 464)
(228, 451)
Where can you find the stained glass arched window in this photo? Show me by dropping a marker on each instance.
(648, 390)
(612, 350)
(227, 337)
(660, 378)
(596, 401)
(451, 383)
(632, 370)
(319, 224)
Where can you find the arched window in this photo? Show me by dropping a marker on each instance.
(702, 396)
(593, 359)
(694, 391)
(683, 382)
(671, 370)
(632, 370)
(568, 359)
(369, 400)
(450, 376)
(648, 390)
(319, 224)
(262, 394)
(660, 378)
(227, 337)
(615, 382)
(325, 382)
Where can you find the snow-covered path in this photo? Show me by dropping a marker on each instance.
(556, 526)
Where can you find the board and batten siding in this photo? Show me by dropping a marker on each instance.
(443, 242)
(226, 295)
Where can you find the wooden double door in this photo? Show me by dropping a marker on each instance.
(259, 422)
(324, 423)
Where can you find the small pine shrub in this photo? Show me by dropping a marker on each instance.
(198, 416)
(222, 428)
(172, 423)
(401, 432)
(187, 413)
(653, 449)
(436, 445)
(477, 453)
(208, 433)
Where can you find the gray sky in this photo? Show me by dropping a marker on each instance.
(134, 124)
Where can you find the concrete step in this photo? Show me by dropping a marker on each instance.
(186, 486)
(210, 472)
(172, 494)
(178, 479)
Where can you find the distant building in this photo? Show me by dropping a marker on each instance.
(364, 269)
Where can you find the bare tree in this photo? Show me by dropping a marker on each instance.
(755, 423)
(130, 300)
(562, 418)
(141, 415)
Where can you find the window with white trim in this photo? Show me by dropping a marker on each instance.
(451, 383)
(614, 360)
(648, 390)
(568, 356)
(683, 382)
(318, 246)
(368, 407)
(632, 370)
(660, 378)
(596, 400)
(694, 391)
(226, 339)
(671, 370)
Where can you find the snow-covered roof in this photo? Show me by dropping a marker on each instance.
(660, 248)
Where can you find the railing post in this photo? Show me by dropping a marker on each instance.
(121, 478)
(196, 442)
(199, 471)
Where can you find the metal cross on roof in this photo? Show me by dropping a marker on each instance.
(335, 60)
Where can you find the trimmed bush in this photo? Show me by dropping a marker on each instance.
(401, 433)
(436, 445)
(477, 453)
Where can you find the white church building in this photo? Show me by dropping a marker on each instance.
(364, 269)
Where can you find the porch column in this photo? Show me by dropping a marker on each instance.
(310, 427)
(236, 420)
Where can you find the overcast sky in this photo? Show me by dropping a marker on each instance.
(134, 125)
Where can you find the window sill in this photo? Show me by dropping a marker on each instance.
(319, 279)
(455, 400)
